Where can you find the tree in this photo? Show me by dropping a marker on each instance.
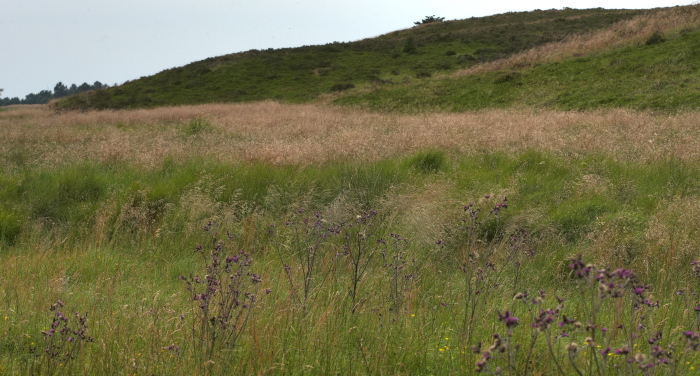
(41, 98)
(429, 19)
(84, 87)
(60, 90)
(1, 90)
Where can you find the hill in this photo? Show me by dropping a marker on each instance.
(646, 63)
(397, 59)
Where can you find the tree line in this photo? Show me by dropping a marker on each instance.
(59, 91)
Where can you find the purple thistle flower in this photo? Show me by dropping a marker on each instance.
(508, 319)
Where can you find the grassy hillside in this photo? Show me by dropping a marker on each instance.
(302, 74)
(660, 76)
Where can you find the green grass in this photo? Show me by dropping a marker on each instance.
(112, 240)
(659, 77)
(428, 161)
(302, 74)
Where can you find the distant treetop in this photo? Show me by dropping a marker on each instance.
(429, 19)
(59, 91)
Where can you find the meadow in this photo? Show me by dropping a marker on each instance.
(269, 238)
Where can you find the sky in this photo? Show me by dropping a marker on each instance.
(112, 41)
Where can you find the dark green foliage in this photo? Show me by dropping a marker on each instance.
(655, 38)
(10, 101)
(10, 227)
(42, 97)
(429, 19)
(59, 91)
(301, 74)
(409, 45)
(423, 74)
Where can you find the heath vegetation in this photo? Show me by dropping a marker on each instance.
(305, 74)
(476, 220)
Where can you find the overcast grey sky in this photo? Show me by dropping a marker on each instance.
(111, 41)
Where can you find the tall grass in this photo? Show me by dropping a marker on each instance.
(404, 312)
(281, 134)
(399, 264)
(635, 31)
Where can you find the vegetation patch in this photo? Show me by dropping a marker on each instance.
(428, 161)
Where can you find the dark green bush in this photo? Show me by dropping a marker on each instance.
(409, 45)
(429, 19)
(202, 71)
(342, 87)
(443, 66)
(655, 38)
(10, 227)
(465, 58)
(508, 77)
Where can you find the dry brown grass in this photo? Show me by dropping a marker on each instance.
(309, 134)
(623, 33)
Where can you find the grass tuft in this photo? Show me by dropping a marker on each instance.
(428, 161)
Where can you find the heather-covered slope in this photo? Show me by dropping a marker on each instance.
(392, 60)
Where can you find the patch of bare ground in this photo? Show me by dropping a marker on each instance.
(309, 134)
(624, 33)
